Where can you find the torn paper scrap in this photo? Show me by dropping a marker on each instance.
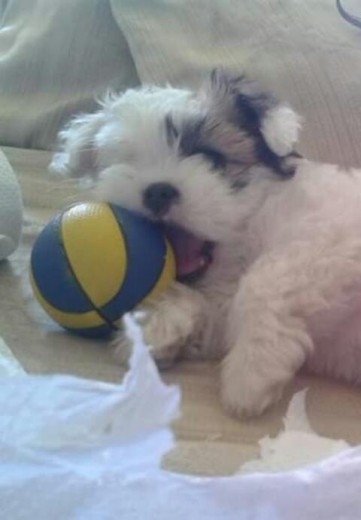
(296, 445)
(293, 449)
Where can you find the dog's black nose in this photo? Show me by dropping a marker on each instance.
(159, 197)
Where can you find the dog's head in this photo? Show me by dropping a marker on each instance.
(197, 161)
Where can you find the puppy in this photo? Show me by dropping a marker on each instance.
(268, 244)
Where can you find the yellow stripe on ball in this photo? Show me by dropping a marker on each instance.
(96, 250)
(66, 319)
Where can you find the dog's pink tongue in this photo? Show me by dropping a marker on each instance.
(188, 251)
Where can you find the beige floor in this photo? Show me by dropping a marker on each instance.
(209, 441)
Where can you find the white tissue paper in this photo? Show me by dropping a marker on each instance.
(9, 365)
(11, 209)
(78, 449)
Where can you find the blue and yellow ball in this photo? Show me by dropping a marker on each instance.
(94, 262)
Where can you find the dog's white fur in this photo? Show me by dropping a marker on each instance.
(284, 289)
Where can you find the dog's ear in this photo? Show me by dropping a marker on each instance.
(255, 111)
(77, 155)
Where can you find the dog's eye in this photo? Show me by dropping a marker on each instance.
(171, 130)
(216, 158)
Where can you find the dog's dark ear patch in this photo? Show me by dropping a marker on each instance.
(190, 136)
(272, 160)
(247, 106)
(251, 109)
(244, 95)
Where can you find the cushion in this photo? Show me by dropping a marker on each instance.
(56, 57)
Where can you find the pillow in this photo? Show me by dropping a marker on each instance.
(56, 56)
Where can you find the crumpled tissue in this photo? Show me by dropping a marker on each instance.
(85, 450)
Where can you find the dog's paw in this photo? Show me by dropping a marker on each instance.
(248, 399)
(166, 336)
(169, 325)
(249, 393)
(164, 344)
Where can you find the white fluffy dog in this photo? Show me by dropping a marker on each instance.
(268, 244)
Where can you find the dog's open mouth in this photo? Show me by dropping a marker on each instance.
(193, 255)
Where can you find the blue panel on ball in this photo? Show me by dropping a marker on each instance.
(52, 274)
(146, 252)
(102, 331)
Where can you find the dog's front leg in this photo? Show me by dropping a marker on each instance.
(170, 323)
(268, 335)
